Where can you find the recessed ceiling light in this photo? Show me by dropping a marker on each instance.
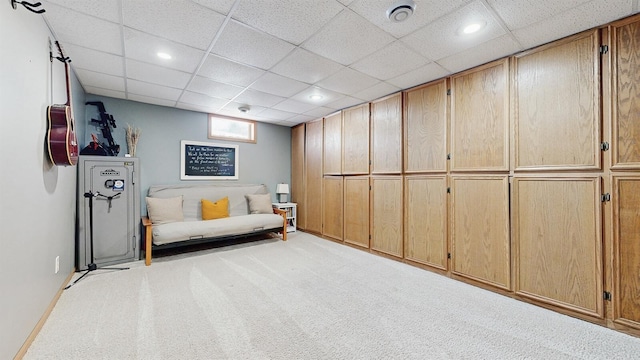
(401, 10)
(316, 97)
(473, 27)
(163, 55)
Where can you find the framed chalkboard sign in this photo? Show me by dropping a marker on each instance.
(208, 161)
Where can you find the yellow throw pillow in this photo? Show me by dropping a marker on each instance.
(215, 210)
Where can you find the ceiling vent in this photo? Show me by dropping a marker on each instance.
(401, 10)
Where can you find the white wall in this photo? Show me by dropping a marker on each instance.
(37, 200)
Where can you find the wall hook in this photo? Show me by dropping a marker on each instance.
(27, 5)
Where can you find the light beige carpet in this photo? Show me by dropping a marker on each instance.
(306, 298)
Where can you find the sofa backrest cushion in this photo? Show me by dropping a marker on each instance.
(192, 195)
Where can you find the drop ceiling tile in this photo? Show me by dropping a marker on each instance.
(248, 46)
(254, 97)
(419, 76)
(273, 114)
(297, 119)
(198, 108)
(391, 61)
(294, 106)
(203, 100)
(319, 112)
(278, 85)
(292, 21)
(221, 6)
(94, 79)
(520, 14)
(573, 21)
(105, 92)
(144, 47)
(345, 102)
(376, 91)
(227, 71)
(89, 59)
(306, 66)
(348, 81)
(346, 2)
(182, 21)
(209, 87)
(441, 38)
(231, 109)
(72, 27)
(291, 123)
(327, 95)
(151, 100)
(348, 38)
(483, 53)
(152, 90)
(107, 10)
(425, 12)
(155, 74)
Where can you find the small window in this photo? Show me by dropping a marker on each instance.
(228, 128)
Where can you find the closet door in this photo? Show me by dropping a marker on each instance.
(333, 144)
(356, 210)
(557, 105)
(297, 173)
(425, 236)
(386, 135)
(313, 176)
(333, 207)
(425, 128)
(558, 242)
(386, 215)
(355, 151)
(480, 229)
(480, 118)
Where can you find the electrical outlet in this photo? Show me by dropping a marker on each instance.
(57, 264)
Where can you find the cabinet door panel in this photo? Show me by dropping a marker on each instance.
(557, 111)
(480, 229)
(313, 177)
(332, 209)
(333, 144)
(557, 235)
(626, 94)
(480, 118)
(297, 172)
(386, 135)
(425, 129)
(626, 200)
(356, 210)
(355, 135)
(386, 214)
(426, 220)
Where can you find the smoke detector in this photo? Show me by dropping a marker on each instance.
(401, 10)
(244, 108)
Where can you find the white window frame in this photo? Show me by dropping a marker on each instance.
(249, 137)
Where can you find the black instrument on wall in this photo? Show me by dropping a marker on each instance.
(106, 122)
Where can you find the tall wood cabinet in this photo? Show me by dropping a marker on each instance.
(356, 210)
(386, 135)
(313, 176)
(297, 173)
(332, 148)
(386, 215)
(355, 132)
(332, 218)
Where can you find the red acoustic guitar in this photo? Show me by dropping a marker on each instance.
(61, 136)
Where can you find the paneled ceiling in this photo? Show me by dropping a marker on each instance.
(272, 56)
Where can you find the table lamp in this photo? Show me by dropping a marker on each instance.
(282, 190)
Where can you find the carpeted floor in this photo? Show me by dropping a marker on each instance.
(306, 298)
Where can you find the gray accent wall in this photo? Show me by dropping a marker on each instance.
(37, 199)
(266, 162)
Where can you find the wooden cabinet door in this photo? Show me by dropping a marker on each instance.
(625, 57)
(356, 210)
(332, 195)
(386, 215)
(355, 137)
(626, 227)
(425, 231)
(480, 229)
(386, 135)
(333, 144)
(480, 118)
(425, 128)
(297, 172)
(558, 244)
(313, 177)
(557, 105)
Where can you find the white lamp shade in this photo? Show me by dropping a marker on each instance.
(282, 189)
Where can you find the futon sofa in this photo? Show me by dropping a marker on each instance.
(185, 214)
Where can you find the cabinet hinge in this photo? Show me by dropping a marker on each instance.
(448, 156)
(369, 187)
(448, 190)
(369, 236)
(134, 243)
(604, 146)
(604, 49)
(605, 197)
(448, 91)
(607, 296)
(448, 255)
